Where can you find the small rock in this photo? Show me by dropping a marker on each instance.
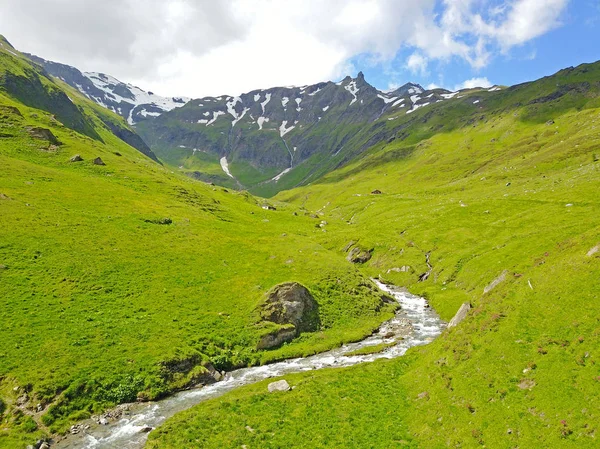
(526, 384)
(39, 408)
(249, 429)
(550, 122)
(99, 161)
(22, 400)
(281, 385)
(118, 154)
(509, 431)
(44, 445)
(593, 251)
(269, 207)
(146, 429)
(76, 158)
(508, 184)
(376, 192)
(103, 421)
(423, 395)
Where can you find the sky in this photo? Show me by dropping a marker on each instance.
(197, 48)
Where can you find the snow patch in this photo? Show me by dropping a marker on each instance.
(216, 115)
(283, 130)
(298, 101)
(351, 87)
(285, 101)
(398, 102)
(387, 100)
(225, 166)
(266, 102)
(326, 108)
(476, 102)
(450, 95)
(261, 121)
(278, 177)
(494, 89)
(256, 97)
(417, 106)
(312, 94)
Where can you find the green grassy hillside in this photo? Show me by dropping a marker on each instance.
(122, 281)
(508, 193)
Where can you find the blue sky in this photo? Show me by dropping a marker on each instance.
(205, 47)
(575, 40)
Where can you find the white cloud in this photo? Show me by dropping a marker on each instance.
(207, 47)
(417, 63)
(474, 82)
(432, 86)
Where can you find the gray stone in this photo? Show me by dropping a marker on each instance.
(359, 255)
(280, 385)
(289, 303)
(99, 161)
(76, 158)
(146, 429)
(45, 445)
(103, 422)
(460, 315)
(495, 282)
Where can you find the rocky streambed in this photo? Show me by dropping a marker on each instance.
(414, 324)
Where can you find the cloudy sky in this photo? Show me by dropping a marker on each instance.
(212, 47)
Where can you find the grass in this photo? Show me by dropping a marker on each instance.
(506, 193)
(375, 349)
(100, 295)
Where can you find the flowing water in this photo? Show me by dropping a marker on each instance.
(415, 321)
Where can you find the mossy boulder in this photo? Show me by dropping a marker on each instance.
(292, 307)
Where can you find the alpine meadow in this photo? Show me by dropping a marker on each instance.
(331, 265)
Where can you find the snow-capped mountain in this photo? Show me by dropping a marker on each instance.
(130, 102)
(285, 135)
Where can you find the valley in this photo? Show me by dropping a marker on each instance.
(145, 265)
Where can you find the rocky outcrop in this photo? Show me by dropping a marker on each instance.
(495, 282)
(290, 306)
(42, 134)
(359, 255)
(460, 315)
(76, 158)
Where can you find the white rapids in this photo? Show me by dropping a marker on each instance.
(415, 320)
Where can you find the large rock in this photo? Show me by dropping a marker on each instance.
(359, 255)
(290, 303)
(460, 315)
(280, 385)
(291, 306)
(277, 337)
(42, 134)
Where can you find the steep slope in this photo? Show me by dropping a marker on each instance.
(120, 280)
(29, 84)
(498, 208)
(279, 138)
(130, 102)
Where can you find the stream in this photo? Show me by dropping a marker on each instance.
(414, 324)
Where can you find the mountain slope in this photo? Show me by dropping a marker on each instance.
(120, 280)
(130, 102)
(501, 208)
(30, 85)
(278, 138)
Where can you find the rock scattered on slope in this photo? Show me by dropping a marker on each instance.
(495, 282)
(460, 315)
(76, 158)
(593, 251)
(99, 161)
(42, 134)
(280, 385)
(359, 255)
